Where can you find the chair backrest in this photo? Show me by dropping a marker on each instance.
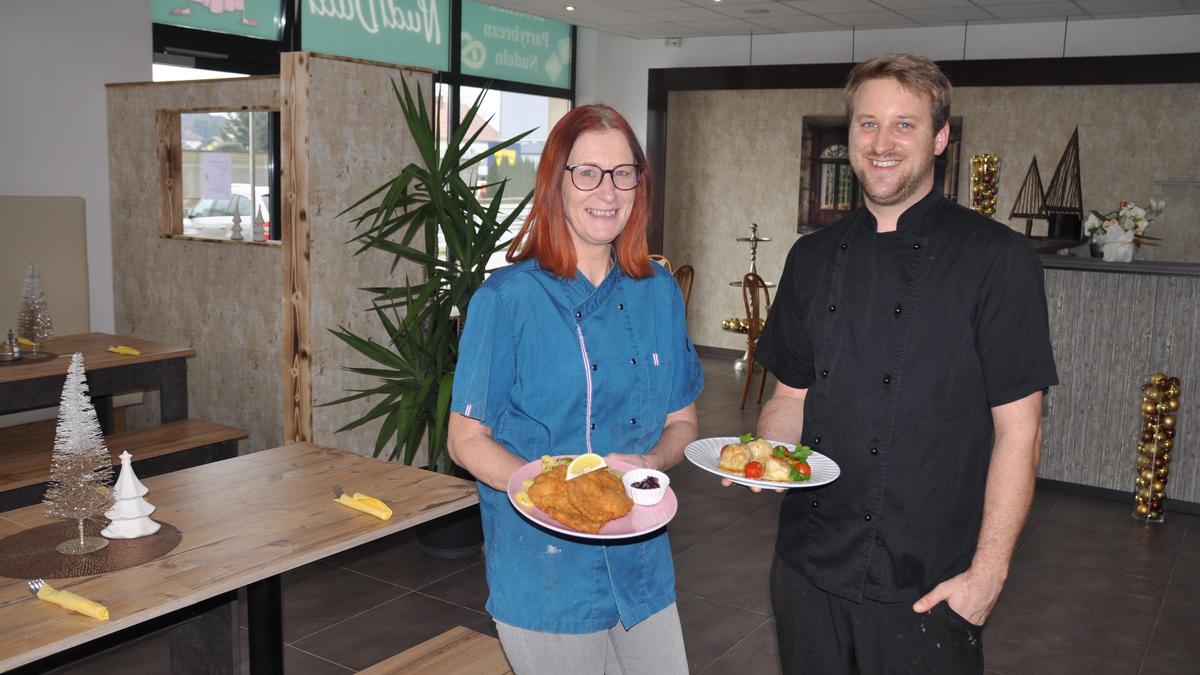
(684, 276)
(757, 299)
(662, 260)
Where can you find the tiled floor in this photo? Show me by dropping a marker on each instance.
(1090, 591)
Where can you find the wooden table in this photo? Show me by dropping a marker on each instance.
(245, 521)
(38, 384)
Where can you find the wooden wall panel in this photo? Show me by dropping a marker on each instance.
(297, 370)
(348, 137)
(220, 298)
(1110, 332)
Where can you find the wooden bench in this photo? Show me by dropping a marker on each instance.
(458, 651)
(25, 452)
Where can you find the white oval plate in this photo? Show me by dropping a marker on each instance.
(706, 454)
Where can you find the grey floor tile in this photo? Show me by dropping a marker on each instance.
(398, 559)
(389, 629)
(710, 628)
(732, 566)
(467, 588)
(1174, 646)
(756, 653)
(700, 516)
(1020, 642)
(1109, 599)
(318, 596)
(297, 662)
(1099, 535)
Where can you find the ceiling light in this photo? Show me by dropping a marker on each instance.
(570, 8)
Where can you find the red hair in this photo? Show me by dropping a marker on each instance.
(544, 236)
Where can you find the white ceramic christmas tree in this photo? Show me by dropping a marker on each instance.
(130, 513)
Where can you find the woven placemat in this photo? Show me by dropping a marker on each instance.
(30, 358)
(31, 555)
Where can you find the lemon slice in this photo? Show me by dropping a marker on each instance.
(585, 464)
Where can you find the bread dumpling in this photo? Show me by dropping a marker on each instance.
(734, 458)
(760, 449)
(777, 469)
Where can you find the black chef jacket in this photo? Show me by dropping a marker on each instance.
(904, 340)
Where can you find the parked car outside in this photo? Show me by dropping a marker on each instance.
(213, 218)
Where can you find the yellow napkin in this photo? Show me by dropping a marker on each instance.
(26, 342)
(122, 349)
(73, 602)
(365, 504)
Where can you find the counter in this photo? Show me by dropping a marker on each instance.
(1112, 325)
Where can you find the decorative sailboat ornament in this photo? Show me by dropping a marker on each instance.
(1031, 199)
(1064, 197)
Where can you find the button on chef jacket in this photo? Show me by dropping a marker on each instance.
(553, 366)
(905, 341)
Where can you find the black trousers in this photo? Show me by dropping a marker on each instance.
(823, 634)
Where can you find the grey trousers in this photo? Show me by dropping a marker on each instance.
(653, 647)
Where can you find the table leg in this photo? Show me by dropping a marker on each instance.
(104, 413)
(209, 643)
(264, 609)
(173, 391)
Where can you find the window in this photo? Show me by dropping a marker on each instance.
(512, 114)
(221, 167)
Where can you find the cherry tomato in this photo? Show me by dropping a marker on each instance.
(804, 469)
(754, 470)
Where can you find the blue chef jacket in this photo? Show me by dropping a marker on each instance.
(557, 366)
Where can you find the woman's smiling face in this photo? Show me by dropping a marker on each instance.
(596, 217)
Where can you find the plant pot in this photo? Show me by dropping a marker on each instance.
(453, 536)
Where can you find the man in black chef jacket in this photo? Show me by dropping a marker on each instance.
(911, 345)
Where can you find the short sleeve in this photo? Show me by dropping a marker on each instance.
(688, 378)
(783, 346)
(1012, 331)
(486, 369)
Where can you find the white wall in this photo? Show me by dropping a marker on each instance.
(55, 58)
(614, 69)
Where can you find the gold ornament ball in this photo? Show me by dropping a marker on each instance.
(1168, 421)
(1149, 407)
(1152, 393)
(1143, 510)
(1147, 475)
(1172, 404)
(1144, 493)
(1143, 460)
(1159, 486)
(1166, 457)
(1161, 472)
(1157, 376)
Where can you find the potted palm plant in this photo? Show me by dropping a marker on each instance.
(431, 216)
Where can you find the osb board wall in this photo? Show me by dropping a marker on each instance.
(1110, 332)
(357, 139)
(221, 299)
(733, 157)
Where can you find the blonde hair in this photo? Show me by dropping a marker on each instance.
(916, 74)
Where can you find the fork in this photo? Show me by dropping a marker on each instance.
(337, 491)
(35, 585)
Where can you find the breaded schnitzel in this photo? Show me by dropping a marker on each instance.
(584, 503)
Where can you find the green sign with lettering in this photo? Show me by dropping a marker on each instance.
(405, 32)
(255, 18)
(506, 45)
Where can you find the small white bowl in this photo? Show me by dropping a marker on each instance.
(641, 496)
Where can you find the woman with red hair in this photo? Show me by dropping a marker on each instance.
(579, 346)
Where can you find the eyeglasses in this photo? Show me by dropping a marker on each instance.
(588, 177)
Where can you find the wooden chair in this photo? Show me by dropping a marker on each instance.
(757, 299)
(684, 275)
(662, 260)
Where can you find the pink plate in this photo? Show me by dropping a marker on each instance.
(640, 520)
